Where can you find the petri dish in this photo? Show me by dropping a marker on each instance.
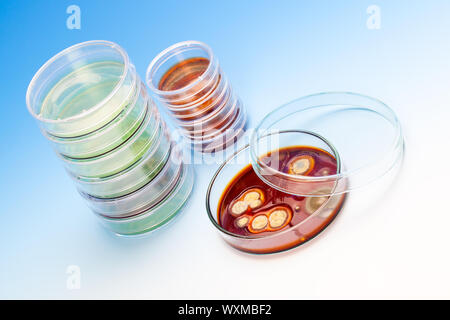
(187, 80)
(82, 88)
(109, 136)
(132, 178)
(119, 159)
(365, 132)
(305, 156)
(217, 120)
(145, 197)
(170, 57)
(203, 107)
(308, 224)
(220, 140)
(158, 215)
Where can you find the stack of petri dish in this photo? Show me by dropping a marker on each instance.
(187, 79)
(94, 109)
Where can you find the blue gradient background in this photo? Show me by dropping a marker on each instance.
(273, 52)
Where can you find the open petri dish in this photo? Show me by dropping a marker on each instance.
(292, 180)
(365, 132)
(308, 215)
(158, 215)
(116, 160)
(82, 88)
(109, 136)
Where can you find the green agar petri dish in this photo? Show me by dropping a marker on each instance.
(92, 106)
(158, 215)
(81, 90)
(144, 198)
(86, 99)
(132, 178)
(109, 136)
(123, 156)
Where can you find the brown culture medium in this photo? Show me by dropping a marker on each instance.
(183, 73)
(249, 207)
(205, 99)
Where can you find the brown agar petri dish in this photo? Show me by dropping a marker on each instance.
(290, 182)
(249, 207)
(257, 218)
(187, 80)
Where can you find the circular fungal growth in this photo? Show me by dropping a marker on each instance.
(314, 203)
(252, 195)
(239, 207)
(301, 165)
(272, 220)
(255, 203)
(258, 224)
(242, 221)
(277, 218)
(323, 172)
(252, 198)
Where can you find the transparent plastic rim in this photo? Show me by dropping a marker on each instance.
(222, 118)
(278, 173)
(139, 194)
(221, 84)
(203, 115)
(184, 175)
(150, 116)
(255, 237)
(107, 128)
(125, 173)
(222, 141)
(167, 53)
(263, 128)
(126, 63)
(238, 114)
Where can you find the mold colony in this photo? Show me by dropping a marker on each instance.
(250, 208)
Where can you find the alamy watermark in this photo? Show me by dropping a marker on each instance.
(73, 281)
(74, 19)
(374, 20)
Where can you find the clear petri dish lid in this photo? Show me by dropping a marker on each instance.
(82, 88)
(174, 54)
(362, 133)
